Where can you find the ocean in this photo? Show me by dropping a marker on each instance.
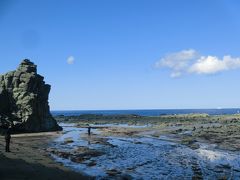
(149, 112)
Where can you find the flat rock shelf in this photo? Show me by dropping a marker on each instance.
(143, 156)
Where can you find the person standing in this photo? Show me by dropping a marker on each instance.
(89, 130)
(7, 139)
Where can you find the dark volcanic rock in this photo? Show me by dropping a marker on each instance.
(24, 100)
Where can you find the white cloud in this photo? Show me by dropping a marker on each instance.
(177, 61)
(189, 61)
(70, 60)
(212, 64)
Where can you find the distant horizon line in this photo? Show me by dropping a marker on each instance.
(145, 109)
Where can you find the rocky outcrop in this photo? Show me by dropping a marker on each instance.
(24, 100)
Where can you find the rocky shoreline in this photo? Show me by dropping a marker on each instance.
(208, 145)
(128, 147)
(221, 130)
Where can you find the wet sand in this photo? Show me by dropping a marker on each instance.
(29, 159)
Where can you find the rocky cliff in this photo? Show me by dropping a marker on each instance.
(24, 100)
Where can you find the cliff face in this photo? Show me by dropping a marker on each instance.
(24, 100)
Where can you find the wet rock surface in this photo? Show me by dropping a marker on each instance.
(24, 100)
(143, 156)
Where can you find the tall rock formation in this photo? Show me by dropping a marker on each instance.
(24, 100)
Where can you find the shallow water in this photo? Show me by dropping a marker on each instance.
(149, 158)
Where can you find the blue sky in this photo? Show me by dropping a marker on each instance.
(127, 54)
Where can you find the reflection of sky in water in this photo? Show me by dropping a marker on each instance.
(149, 157)
(78, 135)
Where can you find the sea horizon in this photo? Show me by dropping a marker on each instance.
(149, 112)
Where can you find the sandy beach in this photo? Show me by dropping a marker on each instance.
(28, 159)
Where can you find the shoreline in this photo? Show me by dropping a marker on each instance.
(132, 152)
(222, 130)
(29, 158)
(201, 138)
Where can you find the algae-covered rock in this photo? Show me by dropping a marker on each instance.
(24, 100)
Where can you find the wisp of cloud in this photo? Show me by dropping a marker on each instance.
(70, 60)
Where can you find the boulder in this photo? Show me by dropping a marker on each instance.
(24, 100)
